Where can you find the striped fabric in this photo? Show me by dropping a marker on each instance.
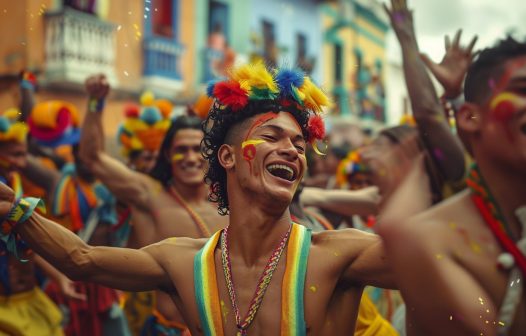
(292, 312)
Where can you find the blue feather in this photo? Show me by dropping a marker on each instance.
(287, 78)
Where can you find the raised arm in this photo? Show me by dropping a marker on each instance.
(443, 145)
(27, 89)
(128, 186)
(451, 70)
(343, 202)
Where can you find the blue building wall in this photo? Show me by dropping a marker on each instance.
(290, 18)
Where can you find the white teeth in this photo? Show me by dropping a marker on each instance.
(274, 167)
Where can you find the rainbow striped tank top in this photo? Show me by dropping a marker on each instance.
(292, 312)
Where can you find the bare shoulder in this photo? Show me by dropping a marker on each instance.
(349, 242)
(326, 238)
(439, 222)
(179, 244)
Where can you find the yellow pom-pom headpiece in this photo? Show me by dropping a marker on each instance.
(145, 127)
(350, 165)
(10, 128)
(54, 123)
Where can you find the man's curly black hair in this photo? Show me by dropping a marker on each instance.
(216, 128)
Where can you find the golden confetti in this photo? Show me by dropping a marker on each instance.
(487, 310)
(501, 323)
(224, 310)
(438, 256)
(475, 247)
(451, 317)
(452, 225)
(336, 254)
(313, 289)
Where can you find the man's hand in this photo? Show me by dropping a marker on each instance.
(67, 287)
(450, 72)
(97, 86)
(7, 198)
(401, 19)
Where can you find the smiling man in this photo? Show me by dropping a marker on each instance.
(263, 275)
(175, 189)
(462, 266)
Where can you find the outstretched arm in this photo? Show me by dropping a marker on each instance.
(445, 147)
(343, 202)
(128, 186)
(126, 269)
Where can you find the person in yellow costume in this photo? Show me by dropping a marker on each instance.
(24, 308)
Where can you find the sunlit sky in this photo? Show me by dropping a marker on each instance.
(489, 19)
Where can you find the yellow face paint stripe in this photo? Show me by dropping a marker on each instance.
(177, 157)
(254, 142)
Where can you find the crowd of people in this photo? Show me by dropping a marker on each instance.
(239, 221)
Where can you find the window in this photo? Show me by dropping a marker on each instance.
(270, 48)
(163, 14)
(338, 66)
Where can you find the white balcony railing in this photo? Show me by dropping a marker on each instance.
(77, 45)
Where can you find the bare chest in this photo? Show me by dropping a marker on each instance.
(322, 310)
(475, 248)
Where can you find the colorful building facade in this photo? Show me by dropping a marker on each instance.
(355, 58)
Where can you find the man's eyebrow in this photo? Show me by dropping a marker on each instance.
(279, 129)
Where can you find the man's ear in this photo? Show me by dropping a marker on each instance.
(226, 157)
(469, 118)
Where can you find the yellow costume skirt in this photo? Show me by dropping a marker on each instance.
(138, 307)
(29, 313)
(370, 322)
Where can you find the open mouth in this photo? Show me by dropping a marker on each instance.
(282, 171)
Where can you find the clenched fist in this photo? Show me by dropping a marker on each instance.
(97, 86)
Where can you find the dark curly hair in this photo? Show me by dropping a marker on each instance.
(490, 62)
(216, 127)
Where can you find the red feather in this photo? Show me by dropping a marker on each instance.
(316, 128)
(231, 94)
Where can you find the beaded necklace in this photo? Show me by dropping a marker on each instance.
(261, 287)
(492, 214)
(199, 223)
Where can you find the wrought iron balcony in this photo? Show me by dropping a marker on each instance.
(77, 45)
(161, 57)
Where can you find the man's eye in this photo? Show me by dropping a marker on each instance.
(269, 137)
(300, 148)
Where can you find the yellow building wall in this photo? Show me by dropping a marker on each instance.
(24, 48)
(129, 21)
(189, 60)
